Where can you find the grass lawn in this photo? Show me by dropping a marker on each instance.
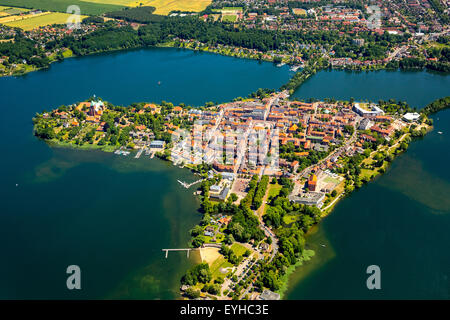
(238, 249)
(274, 189)
(215, 267)
(367, 173)
(340, 187)
(288, 218)
(436, 45)
(229, 18)
(68, 53)
(368, 161)
(164, 7)
(332, 180)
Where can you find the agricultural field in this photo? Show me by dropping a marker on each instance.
(11, 18)
(88, 7)
(30, 22)
(125, 3)
(164, 7)
(11, 11)
(8, 11)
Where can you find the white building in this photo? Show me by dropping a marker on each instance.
(364, 109)
(411, 116)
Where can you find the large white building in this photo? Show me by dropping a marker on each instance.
(411, 116)
(365, 110)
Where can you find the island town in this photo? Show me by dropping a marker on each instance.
(268, 168)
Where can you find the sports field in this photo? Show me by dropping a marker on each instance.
(35, 21)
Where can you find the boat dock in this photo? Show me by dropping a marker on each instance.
(187, 249)
(138, 154)
(187, 186)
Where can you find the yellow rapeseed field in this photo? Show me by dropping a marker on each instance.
(164, 7)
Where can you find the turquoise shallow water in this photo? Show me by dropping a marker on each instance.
(112, 215)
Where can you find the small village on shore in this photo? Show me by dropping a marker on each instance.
(269, 168)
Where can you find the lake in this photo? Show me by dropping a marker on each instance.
(400, 221)
(112, 215)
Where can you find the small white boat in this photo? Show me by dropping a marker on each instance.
(281, 64)
(323, 245)
(440, 132)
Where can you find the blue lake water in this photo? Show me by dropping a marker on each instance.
(112, 215)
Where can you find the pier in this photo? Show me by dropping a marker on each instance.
(187, 186)
(138, 154)
(188, 249)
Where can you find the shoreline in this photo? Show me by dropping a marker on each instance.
(327, 212)
(170, 45)
(308, 254)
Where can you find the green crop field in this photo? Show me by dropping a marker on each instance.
(87, 8)
(15, 10)
(29, 23)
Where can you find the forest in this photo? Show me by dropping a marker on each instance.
(436, 106)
